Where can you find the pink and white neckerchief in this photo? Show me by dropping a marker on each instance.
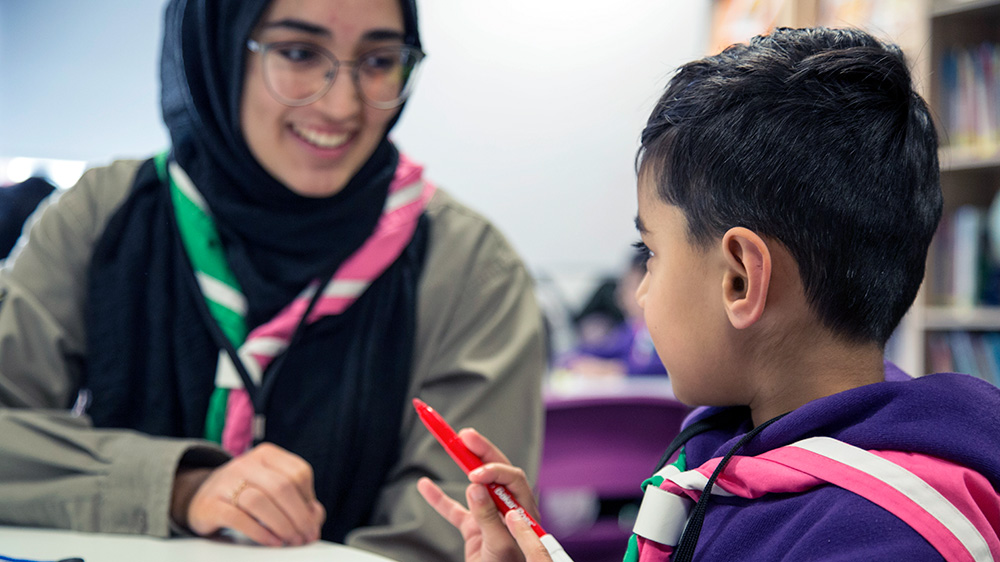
(407, 199)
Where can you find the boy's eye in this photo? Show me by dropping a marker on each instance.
(643, 251)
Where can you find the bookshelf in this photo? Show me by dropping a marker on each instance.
(953, 47)
(965, 96)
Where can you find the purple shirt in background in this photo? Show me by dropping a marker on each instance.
(630, 343)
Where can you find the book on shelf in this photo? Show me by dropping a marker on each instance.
(986, 357)
(963, 353)
(993, 348)
(967, 253)
(964, 269)
(970, 97)
(939, 358)
(972, 353)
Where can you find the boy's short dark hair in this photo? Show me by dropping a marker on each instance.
(815, 138)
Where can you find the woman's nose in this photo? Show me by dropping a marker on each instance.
(343, 100)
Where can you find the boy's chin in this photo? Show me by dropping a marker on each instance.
(694, 398)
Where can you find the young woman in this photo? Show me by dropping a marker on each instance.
(281, 281)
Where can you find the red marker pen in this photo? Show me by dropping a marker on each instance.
(468, 462)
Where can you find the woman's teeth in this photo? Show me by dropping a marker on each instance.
(322, 140)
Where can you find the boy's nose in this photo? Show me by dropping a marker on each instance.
(640, 293)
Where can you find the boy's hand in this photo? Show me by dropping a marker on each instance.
(488, 536)
(266, 494)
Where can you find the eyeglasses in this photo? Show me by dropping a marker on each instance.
(298, 73)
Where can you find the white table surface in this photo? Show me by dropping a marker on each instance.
(49, 544)
(566, 385)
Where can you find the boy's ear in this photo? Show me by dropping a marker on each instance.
(747, 277)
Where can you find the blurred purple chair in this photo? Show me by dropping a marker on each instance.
(600, 444)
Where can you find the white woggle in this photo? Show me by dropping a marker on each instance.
(662, 516)
(555, 549)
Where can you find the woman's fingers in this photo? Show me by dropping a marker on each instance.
(281, 494)
(268, 485)
(287, 480)
(238, 520)
(294, 468)
(229, 500)
(222, 502)
(319, 513)
(266, 510)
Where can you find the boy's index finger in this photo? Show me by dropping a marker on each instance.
(449, 509)
(482, 447)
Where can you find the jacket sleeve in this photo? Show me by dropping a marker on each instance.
(56, 470)
(480, 358)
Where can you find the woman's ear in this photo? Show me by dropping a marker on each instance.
(747, 276)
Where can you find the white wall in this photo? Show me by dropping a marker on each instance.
(528, 110)
(531, 110)
(79, 79)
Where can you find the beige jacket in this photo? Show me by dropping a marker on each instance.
(479, 360)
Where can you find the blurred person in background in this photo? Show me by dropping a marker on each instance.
(613, 339)
(17, 202)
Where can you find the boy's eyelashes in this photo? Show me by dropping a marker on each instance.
(643, 250)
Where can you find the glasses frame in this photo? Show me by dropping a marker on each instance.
(263, 48)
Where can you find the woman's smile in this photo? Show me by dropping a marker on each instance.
(321, 139)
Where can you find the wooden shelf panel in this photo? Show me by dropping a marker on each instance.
(947, 8)
(973, 319)
(958, 158)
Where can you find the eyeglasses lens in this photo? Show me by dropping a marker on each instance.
(300, 73)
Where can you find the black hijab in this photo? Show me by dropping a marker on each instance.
(337, 399)
(272, 235)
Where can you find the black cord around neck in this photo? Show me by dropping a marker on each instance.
(692, 531)
(723, 418)
(258, 394)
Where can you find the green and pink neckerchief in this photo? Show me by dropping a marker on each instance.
(231, 419)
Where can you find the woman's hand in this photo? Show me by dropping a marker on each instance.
(488, 536)
(266, 494)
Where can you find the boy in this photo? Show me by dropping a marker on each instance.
(788, 190)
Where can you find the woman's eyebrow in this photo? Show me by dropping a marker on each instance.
(298, 25)
(383, 35)
(313, 29)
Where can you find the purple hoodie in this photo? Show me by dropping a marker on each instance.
(947, 416)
